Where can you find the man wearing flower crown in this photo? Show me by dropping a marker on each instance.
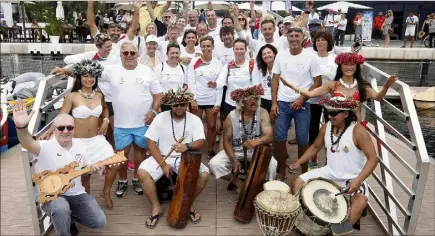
(162, 135)
(350, 152)
(248, 122)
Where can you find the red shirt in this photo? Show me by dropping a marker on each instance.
(257, 23)
(378, 22)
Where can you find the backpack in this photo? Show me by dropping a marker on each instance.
(182, 67)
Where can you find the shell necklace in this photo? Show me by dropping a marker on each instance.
(87, 96)
(353, 85)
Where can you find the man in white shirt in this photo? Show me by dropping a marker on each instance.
(411, 23)
(193, 20)
(331, 22)
(201, 30)
(213, 27)
(136, 100)
(161, 138)
(56, 153)
(302, 68)
(223, 50)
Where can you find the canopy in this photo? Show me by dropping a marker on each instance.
(128, 6)
(344, 6)
(247, 6)
(217, 5)
(280, 6)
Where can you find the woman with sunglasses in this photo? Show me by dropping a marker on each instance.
(203, 73)
(171, 74)
(348, 82)
(87, 106)
(263, 73)
(244, 24)
(190, 47)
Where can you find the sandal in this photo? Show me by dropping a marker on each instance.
(152, 218)
(192, 215)
(293, 141)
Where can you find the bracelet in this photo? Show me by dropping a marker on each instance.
(155, 112)
(22, 127)
(106, 120)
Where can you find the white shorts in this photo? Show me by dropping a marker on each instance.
(151, 166)
(324, 172)
(221, 165)
(97, 149)
(410, 32)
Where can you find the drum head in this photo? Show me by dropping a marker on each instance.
(276, 185)
(316, 196)
(274, 201)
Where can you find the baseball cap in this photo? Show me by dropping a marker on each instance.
(288, 19)
(151, 38)
(315, 21)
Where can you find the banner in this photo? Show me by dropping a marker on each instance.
(367, 26)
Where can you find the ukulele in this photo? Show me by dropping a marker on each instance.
(52, 184)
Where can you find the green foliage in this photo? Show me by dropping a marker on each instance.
(54, 27)
(40, 11)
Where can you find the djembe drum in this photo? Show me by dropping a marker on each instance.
(276, 185)
(276, 212)
(320, 208)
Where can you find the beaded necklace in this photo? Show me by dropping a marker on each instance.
(336, 142)
(87, 96)
(173, 130)
(242, 127)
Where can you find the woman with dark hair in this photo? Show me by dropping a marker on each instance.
(171, 74)
(190, 47)
(348, 82)
(87, 106)
(263, 72)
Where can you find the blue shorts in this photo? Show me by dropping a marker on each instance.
(302, 122)
(125, 136)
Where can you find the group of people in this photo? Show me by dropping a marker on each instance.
(144, 94)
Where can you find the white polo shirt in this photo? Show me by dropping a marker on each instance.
(53, 156)
(132, 92)
(299, 70)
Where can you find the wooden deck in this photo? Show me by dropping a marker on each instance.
(129, 214)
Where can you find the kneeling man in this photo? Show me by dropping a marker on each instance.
(350, 152)
(75, 204)
(162, 135)
(248, 122)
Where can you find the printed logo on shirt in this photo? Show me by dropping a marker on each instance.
(59, 155)
(201, 73)
(78, 157)
(139, 80)
(330, 68)
(121, 81)
(213, 73)
(300, 66)
(285, 66)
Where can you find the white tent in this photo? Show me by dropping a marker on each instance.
(247, 6)
(280, 6)
(344, 6)
(217, 5)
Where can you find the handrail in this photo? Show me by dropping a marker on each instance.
(41, 222)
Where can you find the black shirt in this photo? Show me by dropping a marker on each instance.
(161, 28)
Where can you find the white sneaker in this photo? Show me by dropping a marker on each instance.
(377, 45)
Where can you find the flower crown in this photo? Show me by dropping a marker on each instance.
(243, 94)
(99, 39)
(177, 96)
(349, 57)
(87, 66)
(338, 103)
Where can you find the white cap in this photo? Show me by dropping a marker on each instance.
(151, 38)
(288, 19)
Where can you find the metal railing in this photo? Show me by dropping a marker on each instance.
(388, 177)
(41, 222)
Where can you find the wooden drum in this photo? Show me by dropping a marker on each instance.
(276, 185)
(276, 212)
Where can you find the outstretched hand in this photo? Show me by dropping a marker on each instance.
(390, 81)
(21, 118)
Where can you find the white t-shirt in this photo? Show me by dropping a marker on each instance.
(265, 80)
(53, 156)
(225, 54)
(199, 74)
(215, 33)
(413, 19)
(169, 77)
(160, 131)
(342, 24)
(329, 70)
(331, 17)
(279, 43)
(238, 77)
(139, 41)
(299, 70)
(184, 53)
(132, 92)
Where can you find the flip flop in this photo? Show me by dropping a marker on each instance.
(192, 215)
(152, 218)
(293, 141)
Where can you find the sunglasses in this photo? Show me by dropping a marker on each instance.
(62, 128)
(180, 105)
(166, 17)
(334, 113)
(131, 53)
(241, 19)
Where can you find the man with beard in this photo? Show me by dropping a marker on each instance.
(350, 152)
(114, 30)
(161, 139)
(302, 68)
(248, 122)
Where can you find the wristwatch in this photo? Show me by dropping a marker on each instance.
(189, 146)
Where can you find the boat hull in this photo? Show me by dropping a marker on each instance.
(424, 105)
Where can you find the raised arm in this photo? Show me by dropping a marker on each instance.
(186, 9)
(135, 21)
(253, 13)
(322, 90)
(151, 11)
(90, 17)
(21, 120)
(167, 5)
(372, 94)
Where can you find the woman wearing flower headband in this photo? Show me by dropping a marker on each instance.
(86, 106)
(348, 81)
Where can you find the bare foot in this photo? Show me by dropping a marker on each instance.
(108, 200)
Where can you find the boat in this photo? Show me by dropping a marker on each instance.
(425, 100)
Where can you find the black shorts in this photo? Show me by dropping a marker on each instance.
(266, 104)
(224, 91)
(110, 107)
(203, 107)
(226, 109)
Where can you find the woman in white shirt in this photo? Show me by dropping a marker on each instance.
(342, 23)
(190, 47)
(263, 72)
(171, 73)
(202, 75)
(152, 56)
